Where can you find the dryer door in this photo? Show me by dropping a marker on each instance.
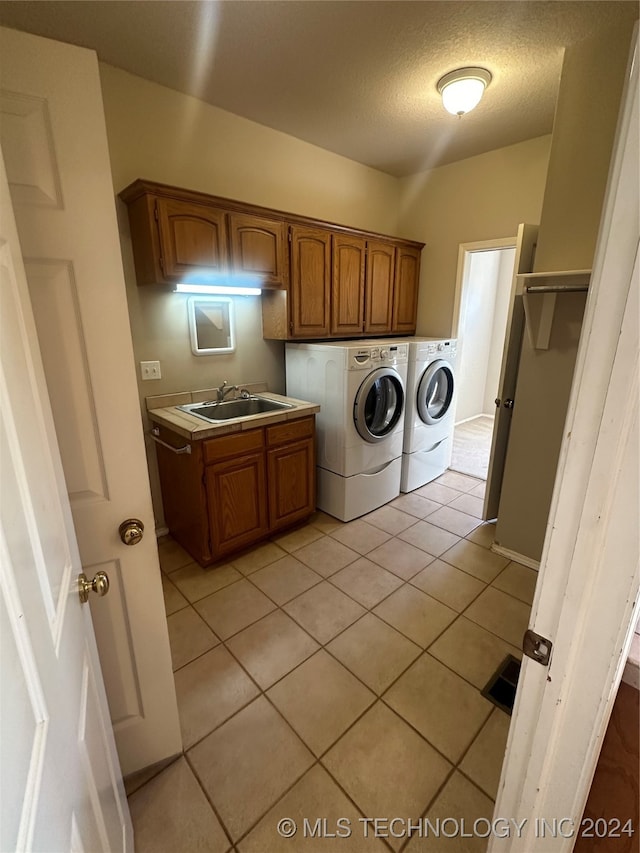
(435, 391)
(379, 404)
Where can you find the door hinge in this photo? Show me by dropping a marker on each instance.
(537, 647)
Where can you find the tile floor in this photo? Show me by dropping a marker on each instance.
(335, 672)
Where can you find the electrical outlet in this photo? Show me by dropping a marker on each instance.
(150, 370)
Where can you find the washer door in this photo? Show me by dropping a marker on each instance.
(435, 391)
(379, 404)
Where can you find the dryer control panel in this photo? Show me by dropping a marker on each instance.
(444, 348)
(378, 355)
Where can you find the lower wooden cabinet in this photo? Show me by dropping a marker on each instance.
(237, 506)
(291, 472)
(230, 492)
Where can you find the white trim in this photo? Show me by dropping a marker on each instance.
(462, 272)
(513, 555)
(475, 417)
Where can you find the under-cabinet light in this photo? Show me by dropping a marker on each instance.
(217, 289)
(221, 283)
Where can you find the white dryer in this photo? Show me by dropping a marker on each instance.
(430, 409)
(360, 426)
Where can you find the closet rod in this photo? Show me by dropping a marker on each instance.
(557, 288)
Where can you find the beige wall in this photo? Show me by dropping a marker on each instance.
(165, 136)
(162, 135)
(584, 127)
(585, 123)
(481, 198)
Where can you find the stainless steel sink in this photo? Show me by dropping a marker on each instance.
(242, 408)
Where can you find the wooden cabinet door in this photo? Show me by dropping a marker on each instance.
(237, 503)
(292, 488)
(347, 285)
(378, 300)
(405, 291)
(258, 247)
(310, 282)
(193, 237)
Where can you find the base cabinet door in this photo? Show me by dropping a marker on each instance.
(291, 477)
(237, 503)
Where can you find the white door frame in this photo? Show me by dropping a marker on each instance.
(586, 599)
(462, 282)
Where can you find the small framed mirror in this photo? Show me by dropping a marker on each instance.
(211, 325)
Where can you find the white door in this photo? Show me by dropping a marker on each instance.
(60, 782)
(55, 146)
(525, 245)
(586, 600)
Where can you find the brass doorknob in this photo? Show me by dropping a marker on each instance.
(99, 585)
(131, 531)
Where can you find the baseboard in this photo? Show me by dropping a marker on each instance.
(513, 555)
(161, 531)
(473, 417)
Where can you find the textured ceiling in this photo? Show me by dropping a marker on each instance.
(357, 78)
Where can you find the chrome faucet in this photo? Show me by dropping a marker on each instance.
(225, 389)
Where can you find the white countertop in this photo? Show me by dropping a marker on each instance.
(163, 410)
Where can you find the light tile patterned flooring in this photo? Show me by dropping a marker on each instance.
(335, 672)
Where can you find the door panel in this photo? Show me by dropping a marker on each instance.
(405, 290)
(291, 477)
(525, 247)
(192, 236)
(347, 286)
(258, 246)
(53, 707)
(310, 282)
(236, 494)
(379, 287)
(59, 174)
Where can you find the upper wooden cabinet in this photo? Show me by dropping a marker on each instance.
(175, 232)
(258, 247)
(192, 237)
(379, 288)
(405, 290)
(319, 280)
(310, 282)
(347, 285)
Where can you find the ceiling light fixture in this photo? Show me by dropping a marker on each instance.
(463, 89)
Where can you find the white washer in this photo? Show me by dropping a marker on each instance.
(360, 426)
(429, 414)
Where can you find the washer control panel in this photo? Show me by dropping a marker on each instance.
(442, 348)
(378, 355)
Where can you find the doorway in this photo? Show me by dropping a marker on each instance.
(485, 274)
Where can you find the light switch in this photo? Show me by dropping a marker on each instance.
(150, 370)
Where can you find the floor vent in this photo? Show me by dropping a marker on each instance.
(501, 687)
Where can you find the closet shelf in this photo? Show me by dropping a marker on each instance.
(539, 291)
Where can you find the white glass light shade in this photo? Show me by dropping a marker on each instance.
(221, 282)
(217, 289)
(463, 89)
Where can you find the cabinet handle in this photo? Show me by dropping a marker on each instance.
(177, 450)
